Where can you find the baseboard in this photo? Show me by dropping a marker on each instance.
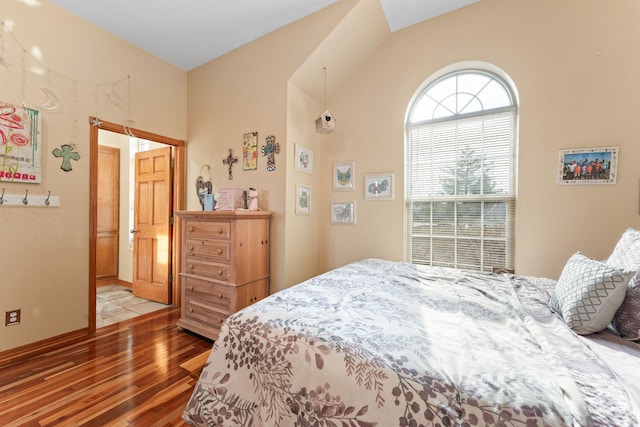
(109, 282)
(105, 282)
(125, 283)
(17, 354)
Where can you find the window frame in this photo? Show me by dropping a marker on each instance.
(509, 198)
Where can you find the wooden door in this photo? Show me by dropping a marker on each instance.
(107, 221)
(152, 228)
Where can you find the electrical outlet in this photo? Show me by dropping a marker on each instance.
(12, 317)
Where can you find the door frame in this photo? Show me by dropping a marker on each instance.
(178, 199)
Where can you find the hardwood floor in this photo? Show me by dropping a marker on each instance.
(127, 374)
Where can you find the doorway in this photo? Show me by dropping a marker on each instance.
(165, 289)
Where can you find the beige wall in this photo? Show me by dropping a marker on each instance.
(574, 65)
(44, 257)
(245, 91)
(302, 235)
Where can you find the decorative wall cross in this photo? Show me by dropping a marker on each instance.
(270, 150)
(66, 152)
(229, 161)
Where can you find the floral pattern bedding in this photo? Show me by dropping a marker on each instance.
(380, 343)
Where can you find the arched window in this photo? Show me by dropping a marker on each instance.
(461, 137)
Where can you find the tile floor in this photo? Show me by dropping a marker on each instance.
(115, 303)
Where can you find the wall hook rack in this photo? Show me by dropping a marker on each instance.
(29, 200)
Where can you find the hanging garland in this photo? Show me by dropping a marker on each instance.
(112, 92)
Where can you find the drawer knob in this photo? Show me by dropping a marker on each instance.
(220, 230)
(220, 272)
(190, 288)
(220, 320)
(191, 310)
(191, 248)
(192, 229)
(219, 251)
(220, 295)
(191, 266)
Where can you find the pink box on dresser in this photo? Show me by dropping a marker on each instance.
(229, 199)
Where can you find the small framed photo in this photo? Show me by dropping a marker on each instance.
(343, 176)
(304, 159)
(303, 199)
(583, 166)
(378, 186)
(343, 213)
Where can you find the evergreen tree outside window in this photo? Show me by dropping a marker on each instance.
(461, 172)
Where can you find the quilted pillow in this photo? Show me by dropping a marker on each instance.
(627, 319)
(589, 293)
(626, 254)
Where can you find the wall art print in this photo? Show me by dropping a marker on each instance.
(588, 166)
(304, 159)
(20, 144)
(343, 176)
(378, 186)
(250, 151)
(303, 199)
(343, 213)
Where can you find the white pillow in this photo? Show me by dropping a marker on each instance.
(626, 254)
(589, 293)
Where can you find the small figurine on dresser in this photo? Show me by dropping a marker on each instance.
(253, 196)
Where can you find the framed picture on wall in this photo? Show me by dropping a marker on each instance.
(21, 142)
(343, 213)
(583, 166)
(303, 199)
(250, 151)
(343, 176)
(378, 186)
(304, 159)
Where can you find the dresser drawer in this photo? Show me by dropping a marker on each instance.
(208, 230)
(209, 270)
(217, 249)
(207, 317)
(201, 292)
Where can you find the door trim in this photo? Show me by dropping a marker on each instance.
(179, 197)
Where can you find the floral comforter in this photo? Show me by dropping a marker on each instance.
(380, 343)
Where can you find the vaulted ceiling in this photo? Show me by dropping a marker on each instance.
(191, 33)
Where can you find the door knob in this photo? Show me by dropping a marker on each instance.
(133, 230)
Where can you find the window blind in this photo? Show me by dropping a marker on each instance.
(461, 191)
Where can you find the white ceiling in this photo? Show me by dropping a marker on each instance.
(191, 33)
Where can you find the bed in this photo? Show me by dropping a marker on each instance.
(382, 343)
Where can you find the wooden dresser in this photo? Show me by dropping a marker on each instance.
(224, 265)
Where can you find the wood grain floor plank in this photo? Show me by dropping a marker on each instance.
(127, 374)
